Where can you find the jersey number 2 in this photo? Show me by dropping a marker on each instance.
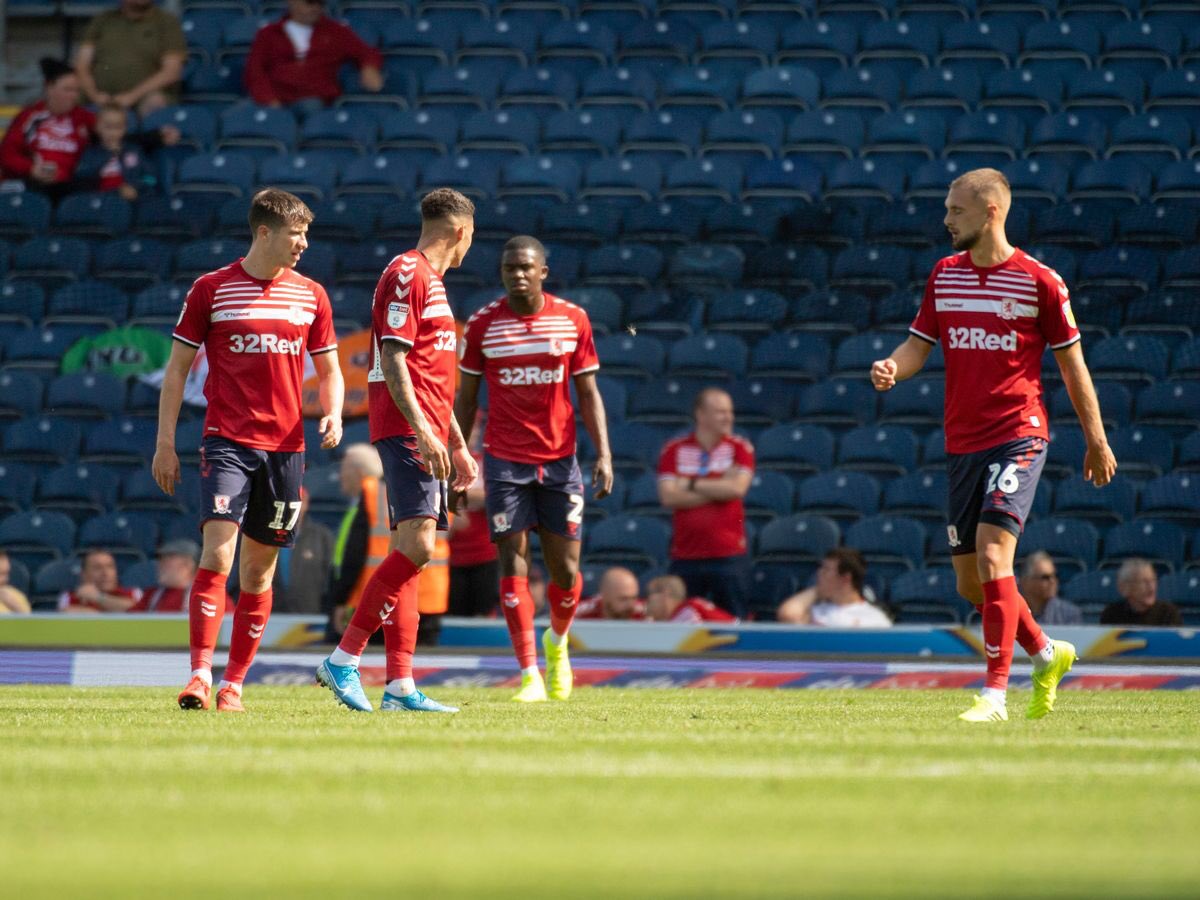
(1005, 480)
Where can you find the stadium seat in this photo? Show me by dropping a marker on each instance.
(756, 220)
(309, 175)
(1183, 589)
(910, 136)
(1173, 496)
(839, 494)
(837, 402)
(1181, 268)
(93, 214)
(1075, 225)
(920, 495)
(339, 129)
(1151, 139)
(48, 533)
(1162, 543)
(1092, 591)
(891, 544)
(120, 440)
(985, 47)
(879, 179)
(708, 356)
(653, 45)
(784, 90)
(641, 497)
(1023, 92)
(1189, 452)
(638, 541)
(1169, 403)
(24, 215)
(943, 88)
(1106, 95)
(1073, 543)
(1116, 403)
(706, 267)
(625, 264)
(627, 354)
(86, 394)
(22, 300)
(18, 481)
(585, 135)
(1117, 179)
(823, 47)
(80, 490)
(56, 577)
(928, 596)
(1143, 451)
(132, 263)
(1178, 181)
(667, 402)
(160, 301)
(41, 440)
(20, 394)
(1129, 358)
(578, 47)
(902, 47)
(218, 173)
(256, 130)
(793, 447)
(618, 87)
(1046, 46)
(1175, 89)
(790, 268)
(52, 260)
(1144, 48)
(874, 270)
(1186, 360)
(387, 175)
(139, 491)
(884, 450)
(87, 301)
(747, 312)
(531, 90)
(761, 402)
(540, 176)
(772, 584)
(797, 538)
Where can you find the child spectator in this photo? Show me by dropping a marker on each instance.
(119, 161)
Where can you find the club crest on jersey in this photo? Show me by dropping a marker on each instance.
(556, 347)
(221, 504)
(500, 522)
(1008, 309)
(296, 315)
(397, 315)
(952, 536)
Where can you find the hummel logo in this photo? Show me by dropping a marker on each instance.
(386, 611)
(208, 609)
(407, 266)
(567, 603)
(401, 294)
(512, 601)
(992, 650)
(403, 278)
(256, 631)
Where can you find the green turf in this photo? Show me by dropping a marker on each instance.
(642, 793)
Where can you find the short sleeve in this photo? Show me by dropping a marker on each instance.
(584, 358)
(666, 462)
(743, 455)
(1055, 317)
(194, 318)
(925, 325)
(399, 303)
(470, 351)
(173, 40)
(321, 335)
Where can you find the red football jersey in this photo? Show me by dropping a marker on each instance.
(256, 333)
(528, 362)
(60, 140)
(695, 610)
(994, 325)
(411, 307)
(716, 529)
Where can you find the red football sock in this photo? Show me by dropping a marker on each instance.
(517, 603)
(378, 601)
(563, 604)
(1029, 633)
(249, 621)
(205, 612)
(1001, 612)
(400, 631)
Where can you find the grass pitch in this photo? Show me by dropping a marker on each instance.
(639, 793)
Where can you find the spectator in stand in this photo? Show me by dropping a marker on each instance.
(1137, 584)
(836, 600)
(177, 562)
(11, 599)
(703, 477)
(474, 565)
(302, 574)
(363, 537)
(99, 589)
(667, 601)
(132, 56)
(1039, 586)
(45, 141)
(617, 599)
(119, 161)
(295, 61)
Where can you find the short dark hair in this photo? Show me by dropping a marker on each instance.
(525, 242)
(703, 394)
(53, 69)
(443, 203)
(850, 562)
(275, 209)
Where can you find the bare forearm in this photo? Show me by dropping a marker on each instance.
(720, 489)
(457, 440)
(595, 420)
(1083, 398)
(331, 390)
(672, 496)
(170, 399)
(394, 361)
(465, 408)
(910, 357)
(166, 76)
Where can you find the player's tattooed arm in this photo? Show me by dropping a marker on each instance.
(595, 420)
(1099, 464)
(905, 362)
(165, 465)
(393, 360)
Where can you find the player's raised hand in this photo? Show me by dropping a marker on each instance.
(330, 429)
(433, 452)
(602, 478)
(465, 469)
(1099, 465)
(165, 469)
(883, 374)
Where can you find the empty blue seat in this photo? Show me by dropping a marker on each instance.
(803, 267)
(1023, 92)
(1169, 403)
(856, 354)
(540, 176)
(917, 401)
(1162, 543)
(41, 439)
(991, 131)
(840, 494)
(686, 88)
(309, 175)
(1106, 94)
(579, 46)
(586, 134)
(126, 439)
(48, 531)
(1151, 138)
(638, 264)
(1178, 181)
(1182, 268)
(199, 257)
(866, 178)
(1130, 357)
(706, 265)
(889, 540)
(1182, 589)
(484, 38)
(385, 174)
(886, 450)
(255, 128)
(638, 354)
(77, 489)
(20, 393)
(823, 47)
(18, 482)
(133, 262)
(987, 46)
(24, 215)
(782, 89)
(471, 85)
(668, 401)
(86, 394)
(660, 42)
(864, 87)
(928, 595)
(1178, 88)
(1142, 450)
(1092, 590)
(792, 447)
(748, 311)
(217, 173)
(761, 401)
(1072, 542)
(1175, 496)
(919, 494)
(838, 401)
(619, 87)
(708, 355)
(93, 214)
(1117, 179)
(1059, 41)
(1143, 47)
(52, 259)
(641, 540)
(89, 300)
(943, 88)
(120, 531)
(797, 538)
(1186, 361)
(538, 89)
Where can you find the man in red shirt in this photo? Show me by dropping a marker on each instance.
(256, 318)
(703, 477)
(667, 601)
(296, 60)
(531, 346)
(616, 599)
(410, 389)
(177, 562)
(99, 589)
(995, 309)
(44, 143)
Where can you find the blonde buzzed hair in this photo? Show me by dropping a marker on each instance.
(672, 584)
(989, 185)
(365, 458)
